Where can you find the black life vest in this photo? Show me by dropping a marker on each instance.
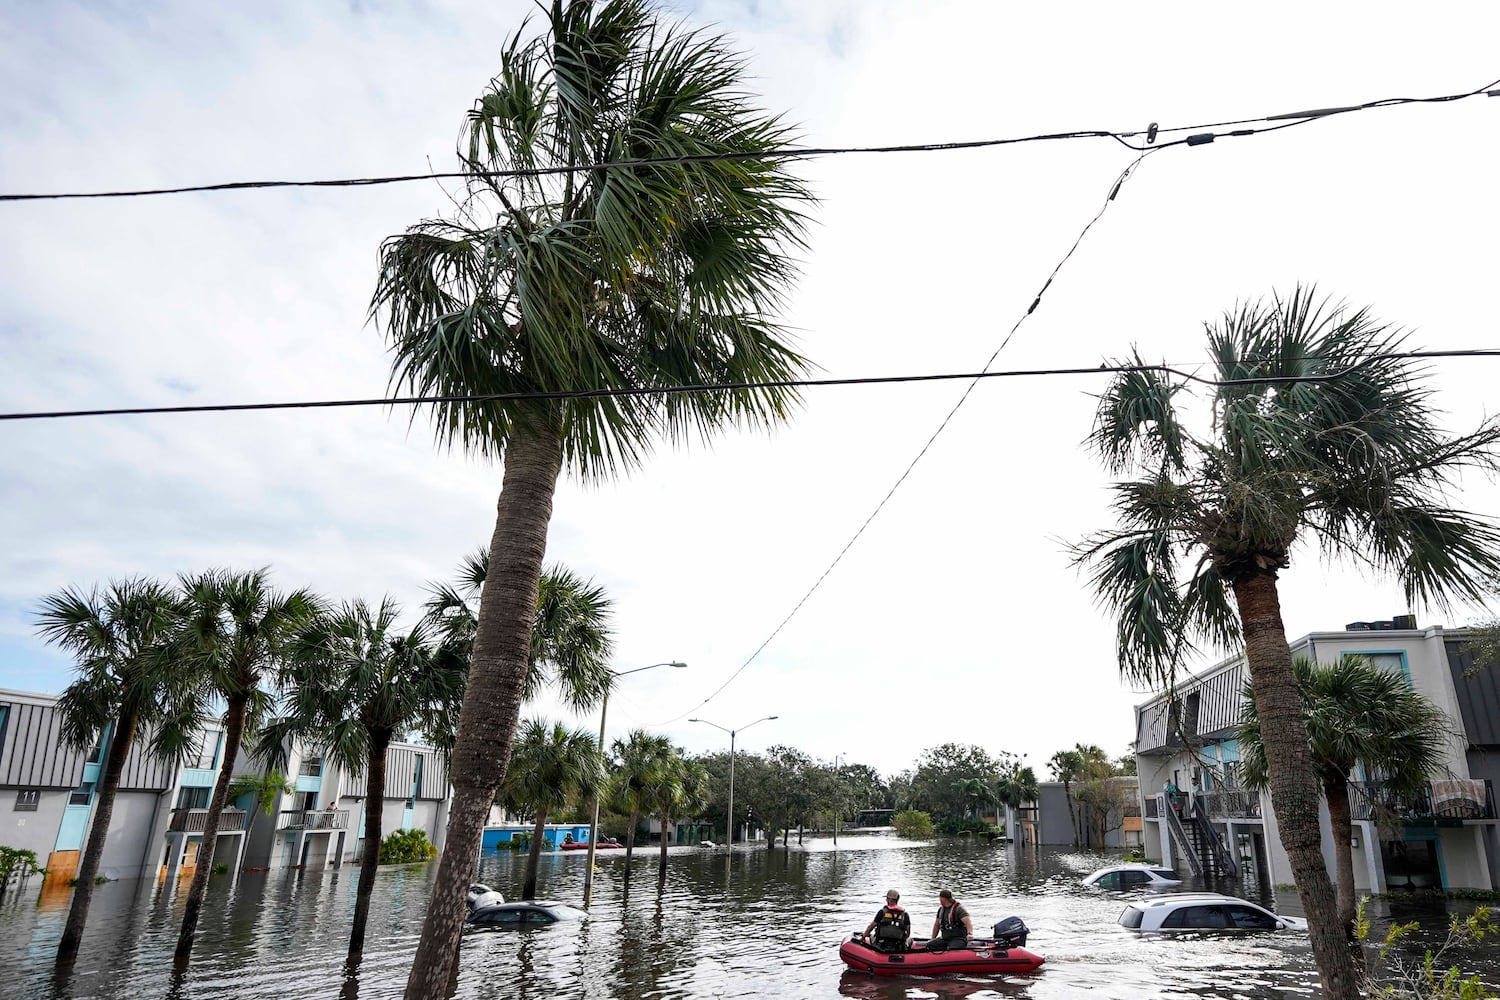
(950, 926)
(892, 927)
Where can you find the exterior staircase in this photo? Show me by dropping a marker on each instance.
(1207, 854)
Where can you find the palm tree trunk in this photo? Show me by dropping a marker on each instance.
(1292, 780)
(1336, 791)
(93, 849)
(374, 829)
(635, 815)
(492, 699)
(234, 731)
(661, 864)
(534, 856)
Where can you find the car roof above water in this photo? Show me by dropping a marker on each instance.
(1184, 898)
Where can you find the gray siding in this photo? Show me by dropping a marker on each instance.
(145, 773)
(33, 754)
(400, 772)
(434, 777)
(1478, 696)
(1218, 709)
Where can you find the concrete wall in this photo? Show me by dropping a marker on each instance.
(134, 843)
(1054, 825)
(1465, 861)
(32, 831)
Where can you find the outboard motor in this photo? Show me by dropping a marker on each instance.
(1011, 933)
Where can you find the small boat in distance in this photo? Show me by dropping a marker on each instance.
(608, 843)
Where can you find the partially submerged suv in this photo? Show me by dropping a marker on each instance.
(1204, 911)
(1132, 876)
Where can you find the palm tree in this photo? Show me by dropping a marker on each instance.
(356, 683)
(564, 278)
(1067, 766)
(264, 790)
(1355, 713)
(975, 793)
(1015, 785)
(571, 635)
(1318, 431)
(236, 634)
(126, 686)
(550, 766)
(682, 791)
(643, 764)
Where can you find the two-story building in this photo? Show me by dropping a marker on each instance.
(48, 793)
(1196, 812)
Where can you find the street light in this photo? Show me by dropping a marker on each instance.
(838, 787)
(732, 733)
(588, 873)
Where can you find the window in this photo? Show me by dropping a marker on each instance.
(1129, 880)
(540, 917)
(1110, 881)
(27, 799)
(95, 752)
(1250, 919)
(311, 767)
(499, 917)
(1196, 916)
(193, 797)
(1131, 917)
(205, 752)
(1169, 873)
(80, 796)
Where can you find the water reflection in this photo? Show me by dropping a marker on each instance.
(748, 924)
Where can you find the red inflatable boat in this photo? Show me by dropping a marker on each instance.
(981, 957)
(583, 845)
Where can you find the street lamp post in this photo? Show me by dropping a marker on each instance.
(838, 787)
(732, 733)
(588, 872)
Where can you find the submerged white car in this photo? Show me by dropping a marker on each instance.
(1204, 911)
(1133, 876)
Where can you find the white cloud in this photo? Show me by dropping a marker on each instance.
(957, 616)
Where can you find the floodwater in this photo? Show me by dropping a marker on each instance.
(748, 924)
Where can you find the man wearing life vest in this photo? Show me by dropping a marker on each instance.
(892, 926)
(953, 924)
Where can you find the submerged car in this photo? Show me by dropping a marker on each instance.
(1204, 911)
(1133, 876)
(531, 913)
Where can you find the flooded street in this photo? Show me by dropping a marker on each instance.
(748, 925)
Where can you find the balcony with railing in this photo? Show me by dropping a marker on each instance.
(313, 819)
(1229, 803)
(1452, 799)
(193, 820)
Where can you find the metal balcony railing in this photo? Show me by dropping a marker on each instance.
(192, 820)
(1230, 803)
(1452, 798)
(313, 819)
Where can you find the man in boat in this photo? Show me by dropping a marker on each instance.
(952, 925)
(892, 926)
(567, 838)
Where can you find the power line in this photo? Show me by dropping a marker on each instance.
(1198, 135)
(819, 383)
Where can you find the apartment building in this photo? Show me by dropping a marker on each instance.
(48, 796)
(1197, 814)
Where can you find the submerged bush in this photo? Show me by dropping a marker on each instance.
(913, 824)
(405, 847)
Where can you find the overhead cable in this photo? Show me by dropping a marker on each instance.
(665, 390)
(1197, 135)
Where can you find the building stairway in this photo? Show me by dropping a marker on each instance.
(1207, 854)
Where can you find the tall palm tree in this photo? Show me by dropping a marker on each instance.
(643, 762)
(568, 278)
(1067, 766)
(1015, 785)
(127, 686)
(572, 638)
(236, 634)
(550, 766)
(356, 683)
(682, 791)
(975, 793)
(1317, 433)
(1355, 713)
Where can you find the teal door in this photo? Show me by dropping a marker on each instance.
(75, 819)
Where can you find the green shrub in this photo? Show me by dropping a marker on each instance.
(221, 868)
(953, 826)
(17, 862)
(913, 824)
(405, 847)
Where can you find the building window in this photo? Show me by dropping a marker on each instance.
(311, 767)
(80, 796)
(27, 799)
(205, 752)
(195, 797)
(95, 752)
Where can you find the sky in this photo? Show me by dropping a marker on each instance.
(957, 616)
